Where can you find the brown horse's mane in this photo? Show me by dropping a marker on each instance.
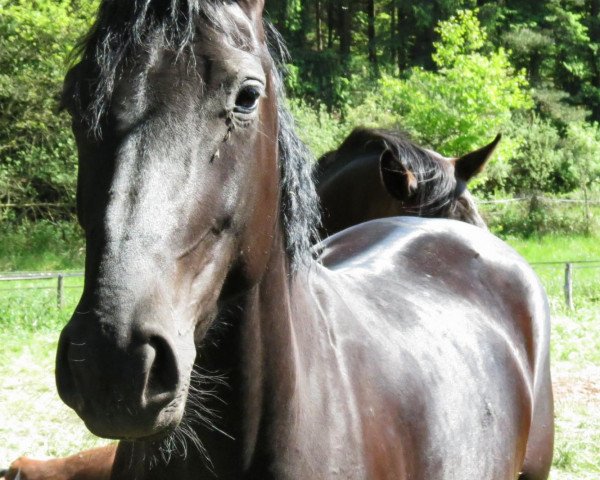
(436, 185)
(127, 30)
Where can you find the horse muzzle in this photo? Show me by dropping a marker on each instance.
(122, 386)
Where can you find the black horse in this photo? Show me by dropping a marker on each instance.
(381, 173)
(412, 348)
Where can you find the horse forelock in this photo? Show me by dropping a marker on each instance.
(126, 30)
(436, 182)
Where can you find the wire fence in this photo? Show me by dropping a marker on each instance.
(549, 200)
(22, 281)
(29, 277)
(578, 277)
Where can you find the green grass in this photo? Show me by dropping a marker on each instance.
(33, 420)
(575, 350)
(41, 246)
(576, 379)
(557, 248)
(31, 306)
(586, 277)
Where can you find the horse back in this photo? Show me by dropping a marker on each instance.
(447, 318)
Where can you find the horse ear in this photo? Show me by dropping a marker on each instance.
(471, 164)
(253, 8)
(398, 180)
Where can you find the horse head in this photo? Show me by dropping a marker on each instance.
(173, 104)
(430, 184)
(382, 173)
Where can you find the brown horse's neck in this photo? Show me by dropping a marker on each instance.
(257, 354)
(294, 393)
(354, 193)
(269, 354)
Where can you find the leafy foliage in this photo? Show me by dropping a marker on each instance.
(471, 96)
(582, 147)
(539, 164)
(451, 74)
(36, 147)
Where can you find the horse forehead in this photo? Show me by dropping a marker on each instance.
(231, 29)
(167, 79)
(240, 45)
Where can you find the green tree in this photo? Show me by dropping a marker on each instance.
(539, 164)
(470, 98)
(582, 148)
(37, 162)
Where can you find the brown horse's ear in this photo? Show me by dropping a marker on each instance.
(471, 164)
(398, 180)
(253, 8)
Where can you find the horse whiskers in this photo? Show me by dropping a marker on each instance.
(177, 444)
(201, 388)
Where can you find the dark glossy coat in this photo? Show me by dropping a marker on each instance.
(411, 349)
(380, 173)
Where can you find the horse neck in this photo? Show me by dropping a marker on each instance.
(287, 377)
(254, 346)
(352, 192)
(278, 314)
(364, 166)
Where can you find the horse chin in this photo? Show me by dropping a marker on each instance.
(155, 429)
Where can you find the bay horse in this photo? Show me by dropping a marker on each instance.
(381, 173)
(211, 343)
(389, 176)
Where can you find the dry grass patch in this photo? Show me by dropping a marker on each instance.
(33, 419)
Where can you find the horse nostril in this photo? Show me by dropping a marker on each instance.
(163, 377)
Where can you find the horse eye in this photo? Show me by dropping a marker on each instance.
(247, 100)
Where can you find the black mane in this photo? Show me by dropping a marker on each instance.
(300, 206)
(436, 189)
(125, 31)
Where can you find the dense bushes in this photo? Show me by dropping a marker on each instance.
(474, 94)
(41, 244)
(461, 106)
(36, 146)
(534, 216)
(458, 100)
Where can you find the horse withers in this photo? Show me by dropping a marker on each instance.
(211, 343)
(381, 173)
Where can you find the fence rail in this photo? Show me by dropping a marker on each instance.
(578, 262)
(35, 205)
(500, 201)
(569, 267)
(570, 201)
(20, 276)
(27, 276)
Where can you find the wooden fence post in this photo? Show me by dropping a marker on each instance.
(569, 285)
(60, 291)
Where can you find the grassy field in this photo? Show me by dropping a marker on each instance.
(33, 421)
(41, 246)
